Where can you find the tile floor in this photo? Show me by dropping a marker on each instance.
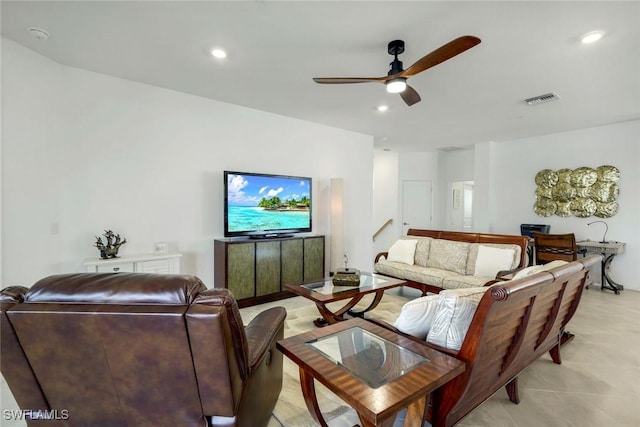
(598, 383)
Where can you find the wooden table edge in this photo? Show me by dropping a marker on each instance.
(444, 362)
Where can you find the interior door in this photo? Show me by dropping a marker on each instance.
(417, 205)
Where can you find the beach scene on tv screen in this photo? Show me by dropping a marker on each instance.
(262, 203)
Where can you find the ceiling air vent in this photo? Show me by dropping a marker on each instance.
(453, 148)
(541, 99)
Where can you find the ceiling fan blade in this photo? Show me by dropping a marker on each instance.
(343, 80)
(410, 96)
(443, 53)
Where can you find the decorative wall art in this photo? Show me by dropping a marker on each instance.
(581, 192)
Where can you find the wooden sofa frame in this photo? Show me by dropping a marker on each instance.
(460, 236)
(515, 323)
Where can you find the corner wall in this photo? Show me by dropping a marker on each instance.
(510, 168)
(82, 152)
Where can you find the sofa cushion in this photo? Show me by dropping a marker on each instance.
(459, 281)
(448, 255)
(431, 276)
(491, 260)
(390, 268)
(422, 250)
(403, 250)
(473, 255)
(417, 315)
(456, 308)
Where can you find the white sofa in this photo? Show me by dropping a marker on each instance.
(433, 264)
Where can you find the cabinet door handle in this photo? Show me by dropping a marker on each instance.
(116, 269)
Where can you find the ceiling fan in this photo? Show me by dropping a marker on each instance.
(396, 78)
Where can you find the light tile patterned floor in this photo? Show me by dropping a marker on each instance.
(598, 383)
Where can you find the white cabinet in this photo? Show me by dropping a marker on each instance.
(145, 263)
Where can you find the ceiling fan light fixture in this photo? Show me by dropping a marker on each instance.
(396, 85)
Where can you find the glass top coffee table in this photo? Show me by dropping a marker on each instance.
(376, 371)
(324, 291)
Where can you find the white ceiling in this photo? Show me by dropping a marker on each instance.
(275, 48)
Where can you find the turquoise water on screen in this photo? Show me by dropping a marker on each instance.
(249, 218)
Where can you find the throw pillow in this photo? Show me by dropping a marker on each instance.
(492, 260)
(403, 250)
(417, 315)
(473, 255)
(448, 255)
(456, 308)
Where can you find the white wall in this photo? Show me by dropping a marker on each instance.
(438, 167)
(504, 184)
(385, 199)
(83, 152)
(504, 190)
(458, 167)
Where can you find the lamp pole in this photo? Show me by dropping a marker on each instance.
(604, 237)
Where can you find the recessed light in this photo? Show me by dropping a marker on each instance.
(382, 108)
(592, 37)
(218, 53)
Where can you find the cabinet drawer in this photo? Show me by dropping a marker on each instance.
(159, 267)
(125, 267)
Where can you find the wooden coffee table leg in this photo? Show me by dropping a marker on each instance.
(365, 423)
(337, 316)
(310, 398)
(416, 412)
(374, 304)
(414, 417)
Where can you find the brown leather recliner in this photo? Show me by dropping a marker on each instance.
(121, 349)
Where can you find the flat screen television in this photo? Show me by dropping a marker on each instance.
(261, 205)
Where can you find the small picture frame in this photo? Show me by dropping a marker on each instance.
(160, 247)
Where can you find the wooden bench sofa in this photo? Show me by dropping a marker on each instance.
(514, 323)
(431, 271)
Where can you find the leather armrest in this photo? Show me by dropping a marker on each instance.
(261, 332)
(380, 255)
